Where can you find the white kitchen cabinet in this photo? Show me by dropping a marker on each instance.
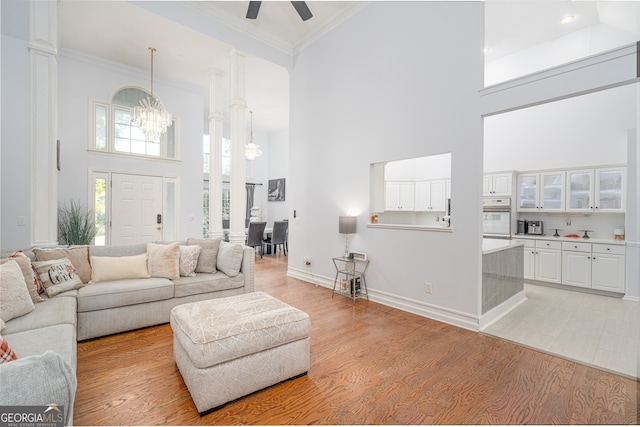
(541, 192)
(609, 190)
(528, 192)
(497, 184)
(431, 195)
(548, 261)
(576, 264)
(596, 190)
(399, 195)
(608, 268)
(529, 258)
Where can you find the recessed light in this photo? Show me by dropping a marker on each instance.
(567, 19)
(486, 50)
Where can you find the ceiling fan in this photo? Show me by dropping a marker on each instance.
(300, 6)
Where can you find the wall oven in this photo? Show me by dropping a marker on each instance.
(496, 217)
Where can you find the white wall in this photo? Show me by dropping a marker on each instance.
(278, 168)
(15, 143)
(83, 78)
(368, 92)
(588, 130)
(580, 44)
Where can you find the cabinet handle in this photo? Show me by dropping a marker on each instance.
(608, 249)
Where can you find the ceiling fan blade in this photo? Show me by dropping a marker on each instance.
(302, 9)
(254, 8)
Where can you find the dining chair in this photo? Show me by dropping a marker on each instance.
(279, 236)
(255, 235)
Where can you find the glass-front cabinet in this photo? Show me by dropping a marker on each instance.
(542, 191)
(596, 190)
(609, 190)
(580, 190)
(552, 191)
(528, 192)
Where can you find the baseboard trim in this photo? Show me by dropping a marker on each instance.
(497, 312)
(431, 311)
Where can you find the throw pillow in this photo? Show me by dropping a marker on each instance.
(27, 272)
(189, 260)
(57, 276)
(106, 268)
(229, 258)
(208, 254)
(164, 260)
(79, 257)
(15, 300)
(6, 354)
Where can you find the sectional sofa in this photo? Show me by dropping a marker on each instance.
(116, 294)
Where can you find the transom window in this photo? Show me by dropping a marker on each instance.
(115, 132)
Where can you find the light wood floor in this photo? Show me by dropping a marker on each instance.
(370, 364)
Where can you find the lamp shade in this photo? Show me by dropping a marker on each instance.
(347, 224)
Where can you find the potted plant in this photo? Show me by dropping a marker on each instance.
(76, 224)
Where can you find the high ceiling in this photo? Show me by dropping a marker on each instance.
(121, 31)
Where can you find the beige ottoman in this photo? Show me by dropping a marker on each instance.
(230, 347)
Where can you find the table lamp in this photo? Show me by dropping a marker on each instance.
(346, 226)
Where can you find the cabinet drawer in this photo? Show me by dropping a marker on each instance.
(577, 246)
(601, 248)
(548, 244)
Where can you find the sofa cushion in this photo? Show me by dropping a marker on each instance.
(6, 354)
(57, 276)
(53, 311)
(208, 254)
(78, 255)
(58, 338)
(108, 268)
(118, 251)
(189, 259)
(164, 260)
(120, 293)
(202, 283)
(229, 258)
(14, 296)
(27, 272)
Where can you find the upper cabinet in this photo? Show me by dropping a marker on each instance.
(497, 184)
(542, 191)
(596, 190)
(610, 190)
(431, 195)
(399, 195)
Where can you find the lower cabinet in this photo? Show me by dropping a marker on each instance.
(542, 261)
(548, 261)
(586, 265)
(576, 264)
(608, 268)
(596, 266)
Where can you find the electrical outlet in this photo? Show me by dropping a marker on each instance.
(307, 261)
(428, 288)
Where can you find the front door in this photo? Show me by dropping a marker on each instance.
(136, 210)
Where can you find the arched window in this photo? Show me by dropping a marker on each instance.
(114, 131)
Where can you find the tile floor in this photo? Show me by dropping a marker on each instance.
(596, 330)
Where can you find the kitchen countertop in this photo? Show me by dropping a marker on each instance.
(568, 239)
(490, 246)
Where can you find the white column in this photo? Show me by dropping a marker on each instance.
(237, 107)
(215, 154)
(44, 121)
(632, 227)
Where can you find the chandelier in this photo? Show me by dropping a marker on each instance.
(150, 116)
(252, 150)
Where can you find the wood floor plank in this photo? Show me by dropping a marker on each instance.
(370, 364)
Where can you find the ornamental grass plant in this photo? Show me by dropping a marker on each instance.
(76, 224)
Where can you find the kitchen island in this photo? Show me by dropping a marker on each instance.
(502, 277)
